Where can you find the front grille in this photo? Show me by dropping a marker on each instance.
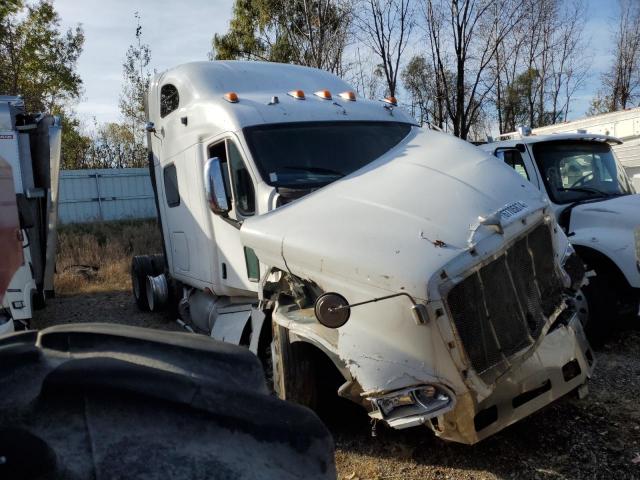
(501, 309)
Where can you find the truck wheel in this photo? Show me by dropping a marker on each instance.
(294, 375)
(602, 301)
(157, 264)
(141, 266)
(38, 301)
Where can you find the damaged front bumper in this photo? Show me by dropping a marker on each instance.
(561, 363)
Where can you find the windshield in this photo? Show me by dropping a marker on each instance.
(579, 170)
(317, 153)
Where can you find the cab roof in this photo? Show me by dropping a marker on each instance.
(257, 83)
(552, 137)
(202, 112)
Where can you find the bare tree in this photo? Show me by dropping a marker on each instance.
(568, 60)
(464, 36)
(365, 74)
(385, 26)
(540, 64)
(621, 84)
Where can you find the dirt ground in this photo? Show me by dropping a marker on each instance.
(597, 437)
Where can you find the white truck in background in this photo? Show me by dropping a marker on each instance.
(355, 252)
(597, 207)
(624, 125)
(31, 145)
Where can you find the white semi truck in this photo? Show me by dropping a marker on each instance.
(31, 145)
(597, 207)
(357, 252)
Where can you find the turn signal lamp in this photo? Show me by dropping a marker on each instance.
(391, 101)
(298, 94)
(348, 96)
(231, 97)
(325, 94)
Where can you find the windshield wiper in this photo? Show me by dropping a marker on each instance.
(313, 169)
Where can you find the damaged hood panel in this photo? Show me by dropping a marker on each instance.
(402, 217)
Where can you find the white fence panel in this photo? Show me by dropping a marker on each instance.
(105, 194)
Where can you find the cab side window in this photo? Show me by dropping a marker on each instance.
(513, 158)
(171, 186)
(169, 99)
(236, 177)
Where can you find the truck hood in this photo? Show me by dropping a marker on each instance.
(396, 222)
(617, 212)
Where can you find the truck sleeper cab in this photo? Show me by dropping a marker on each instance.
(321, 229)
(596, 206)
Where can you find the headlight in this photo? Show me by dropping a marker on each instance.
(426, 401)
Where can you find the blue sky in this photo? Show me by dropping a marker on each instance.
(181, 31)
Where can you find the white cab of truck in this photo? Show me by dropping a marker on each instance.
(354, 251)
(596, 205)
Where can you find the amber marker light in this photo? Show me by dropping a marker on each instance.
(298, 94)
(231, 97)
(324, 94)
(391, 101)
(348, 96)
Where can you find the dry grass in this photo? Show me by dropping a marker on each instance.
(96, 257)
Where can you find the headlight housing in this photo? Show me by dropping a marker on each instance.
(412, 406)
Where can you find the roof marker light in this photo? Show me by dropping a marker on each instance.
(391, 101)
(297, 94)
(231, 97)
(324, 94)
(348, 96)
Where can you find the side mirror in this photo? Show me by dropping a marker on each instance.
(214, 187)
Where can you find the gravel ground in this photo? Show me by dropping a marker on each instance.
(597, 437)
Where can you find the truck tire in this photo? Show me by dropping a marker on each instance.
(603, 318)
(157, 264)
(38, 301)
(141, 266)
(294, 375)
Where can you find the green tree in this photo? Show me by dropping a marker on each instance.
(8, 7)
(255, 33)
(425, 91)
(38, 61)
(115, 146)
(76, 145)
(314, 33)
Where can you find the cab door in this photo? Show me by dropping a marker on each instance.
(238, 268)
(520, 161)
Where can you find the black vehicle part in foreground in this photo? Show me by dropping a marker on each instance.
(109, 401)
